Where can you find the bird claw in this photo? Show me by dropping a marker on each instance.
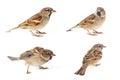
(40, 67)
(96, 32)
(99, 32)
(38, 32)
(28, 72)
(92, 34)
(97, 64)
(37, 35)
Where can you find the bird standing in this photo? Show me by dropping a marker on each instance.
(92, 22)
(36, 22)
(35, 57)
(91, 58)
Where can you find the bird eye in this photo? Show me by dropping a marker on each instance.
(99, 46)
(47, 9)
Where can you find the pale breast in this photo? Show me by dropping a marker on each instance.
(99, 22)
(35, 61)
(43, 23)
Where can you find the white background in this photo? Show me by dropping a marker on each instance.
(69, 47)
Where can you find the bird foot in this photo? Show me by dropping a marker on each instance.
(92, 34)
(40, 67)
(38, 32)
(37, 35)
(97, 64)
(96, 32)
(28, 72)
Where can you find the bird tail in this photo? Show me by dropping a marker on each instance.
(12, 29)
(81, 71)
(13, 58)
(73, 27)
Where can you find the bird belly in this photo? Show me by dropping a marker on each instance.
(88, 27)
(42, 24)
(98, 23)
(35, 61)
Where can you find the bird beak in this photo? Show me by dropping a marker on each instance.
(53, 11)
(104, 46)
(53, 55)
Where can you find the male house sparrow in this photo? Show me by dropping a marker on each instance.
(91, 58)
(36, 22)
(35, 57)
(92, 22)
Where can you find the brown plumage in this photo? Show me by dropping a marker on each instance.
(92, 22)
(35, 57)
(36, 22)
(91, 58)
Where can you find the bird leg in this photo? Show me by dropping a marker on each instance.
(94, 31)
(92, 34)
(37, 35)
(38, 32)
(28, 70)
(97, 64)
(34, 34)
(40, 67)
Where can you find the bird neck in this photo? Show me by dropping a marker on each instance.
(43, 58)
(49, 14)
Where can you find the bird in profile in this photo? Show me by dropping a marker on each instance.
(35, 57)
(36, 22)
(92, 22)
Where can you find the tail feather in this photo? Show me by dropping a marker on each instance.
(81, 71)
(12, 29)
(13, 58)
(73, 27)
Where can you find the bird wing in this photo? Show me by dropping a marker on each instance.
(91, 56)
(88, 20)
(32, 21)
(36, 17)
(26, 54)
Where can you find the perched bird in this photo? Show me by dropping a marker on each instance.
(92, 22)
(35, 57)
(91, 58)
(36, 22)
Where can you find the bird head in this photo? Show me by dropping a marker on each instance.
(100, 12)
(98, 47)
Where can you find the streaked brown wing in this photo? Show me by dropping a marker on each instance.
(32, 22)
(92, 55)
(28, 24)
(36, 17)
(88, 20)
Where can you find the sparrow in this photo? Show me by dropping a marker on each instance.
(35, 57)
(36, 22)
(91, 58)
(92, 22)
